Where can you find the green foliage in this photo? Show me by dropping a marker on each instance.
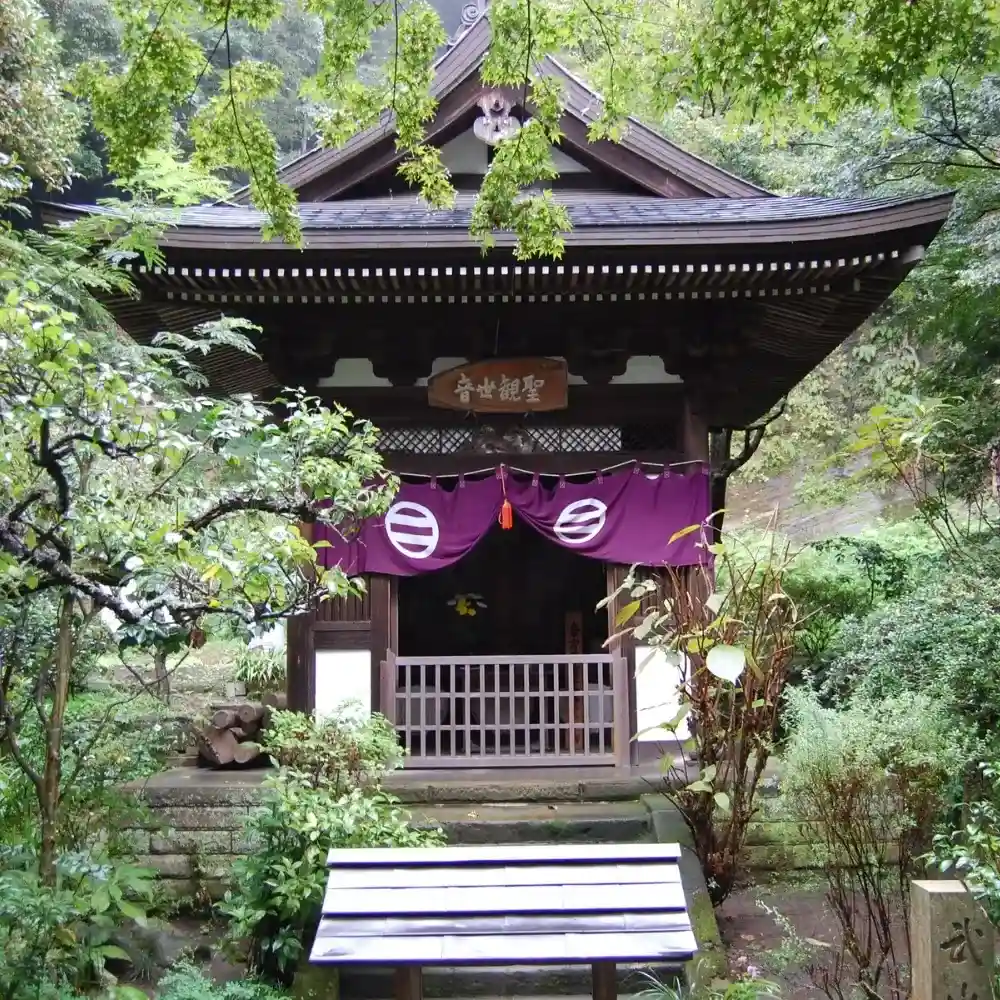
(326, 794)
(162, 176)
(835, 579)
(830, 55)
(230, 130)
(376, 61)
(55, 940)
(108, 740)
(972, 852)
(745, 987)
(733, 649)
(38, 126)
(873, 780)
(942, 640)
(279, 888)
(811, 426)
(26, 635)
(243, 83)
(897, 763)
(128, 496)
(185, 982)
(351, 749)
(261, 669)
(538, 220)
(179, 494)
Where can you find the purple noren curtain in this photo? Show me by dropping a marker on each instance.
(625, 517)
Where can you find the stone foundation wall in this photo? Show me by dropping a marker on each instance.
(196, 828)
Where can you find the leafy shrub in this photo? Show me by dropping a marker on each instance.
(27, 632)
(735, 647)
(873, 780)
(973, 851)
(942, 640)
(326, 793)
(261, 669)
(343, 751)
(278, 889)
(54, 941)
(185, 982)
(837, 578)
(106, 742)
(746, 987)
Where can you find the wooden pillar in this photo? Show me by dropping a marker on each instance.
(604, 976)
(623, 647)
(300, 664)
(694, 434)
(408, 982)
(384, 633)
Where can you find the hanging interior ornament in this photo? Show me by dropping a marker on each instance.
(466, 604)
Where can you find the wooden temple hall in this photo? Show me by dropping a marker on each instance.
(569, 399)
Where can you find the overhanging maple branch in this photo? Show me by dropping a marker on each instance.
(59, 573)
(723, 465)
(752, 437)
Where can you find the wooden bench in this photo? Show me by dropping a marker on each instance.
(546, 904)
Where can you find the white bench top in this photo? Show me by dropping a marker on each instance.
(505, 905)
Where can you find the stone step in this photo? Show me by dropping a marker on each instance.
(518, 785)
(546, 981)
(539, 822)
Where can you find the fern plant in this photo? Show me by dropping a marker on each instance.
(185, 982)
(261, 669)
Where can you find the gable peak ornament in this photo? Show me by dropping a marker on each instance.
(472, 12)
(496, 121)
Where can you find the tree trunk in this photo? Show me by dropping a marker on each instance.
(719, 442)
(162, 677)
(48, 798)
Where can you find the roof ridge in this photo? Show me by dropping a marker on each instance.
(633, 121)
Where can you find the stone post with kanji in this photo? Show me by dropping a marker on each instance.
(951, 943)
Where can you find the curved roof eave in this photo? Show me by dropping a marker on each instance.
(617, 222)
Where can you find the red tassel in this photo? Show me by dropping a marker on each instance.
(506, 516)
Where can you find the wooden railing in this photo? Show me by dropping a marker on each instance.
(488, 711)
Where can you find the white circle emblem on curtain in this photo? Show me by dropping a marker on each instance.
(580, 521)
(412, 529)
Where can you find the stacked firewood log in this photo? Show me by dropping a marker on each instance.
(231, 738)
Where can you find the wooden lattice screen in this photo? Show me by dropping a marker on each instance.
(509, 710)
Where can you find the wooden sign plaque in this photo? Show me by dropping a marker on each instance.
(502, 385)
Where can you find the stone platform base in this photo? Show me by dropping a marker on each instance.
(198, 816)
(196, 830)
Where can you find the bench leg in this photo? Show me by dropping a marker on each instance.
(408, 982)
(605, 980)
